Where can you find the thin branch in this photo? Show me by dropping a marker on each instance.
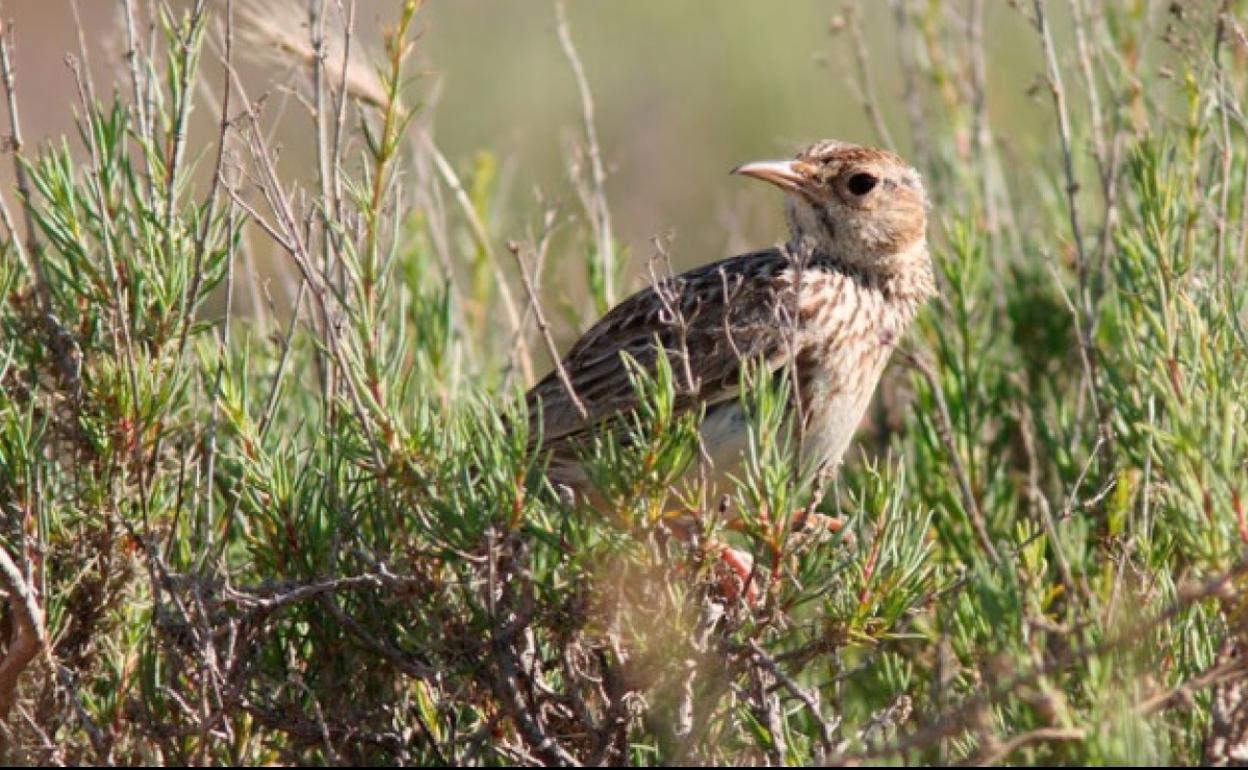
(270, 405)
(808, 698)
(544, 328)
(944, 428)
(906, 46)
(268, 599)
(864, 82)
(600, 212)
(997, 752)
(191, 296)
(134, 56)
(119, 288)
(981, 133)
(289, 236)
(1232, 667)
(1056, 90)
(951, 723)
(1226, 150)
(1040, 501)
(187, 49)
(28, 637)
(65, 678)
(451, 179)
(540, 248)
(57, 338)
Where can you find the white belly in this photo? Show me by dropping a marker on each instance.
(833, 417)
(837, 403)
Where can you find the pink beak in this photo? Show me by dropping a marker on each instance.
(791, 175)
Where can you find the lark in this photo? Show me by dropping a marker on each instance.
(824, 310)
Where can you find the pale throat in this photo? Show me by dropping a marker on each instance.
(812, 229)
(809, 227)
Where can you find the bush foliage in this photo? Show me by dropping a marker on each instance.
(311, 530)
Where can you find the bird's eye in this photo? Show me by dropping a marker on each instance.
(861, 184)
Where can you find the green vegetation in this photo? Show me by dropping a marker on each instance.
(310, 531)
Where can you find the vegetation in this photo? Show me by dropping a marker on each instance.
(311, 532)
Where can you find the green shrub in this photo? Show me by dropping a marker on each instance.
(313, 532)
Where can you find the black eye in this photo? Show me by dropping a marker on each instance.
(861, 184)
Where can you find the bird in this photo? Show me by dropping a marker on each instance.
(825, 309)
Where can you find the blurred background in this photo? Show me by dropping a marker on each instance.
(683, 92)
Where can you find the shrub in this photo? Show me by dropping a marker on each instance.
(316, 534)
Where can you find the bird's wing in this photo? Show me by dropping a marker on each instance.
(730, 312)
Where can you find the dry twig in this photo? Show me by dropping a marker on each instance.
(28, 636)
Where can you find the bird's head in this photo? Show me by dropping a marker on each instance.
(859, 204)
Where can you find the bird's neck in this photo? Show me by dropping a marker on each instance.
(905, 277)
(908, 275)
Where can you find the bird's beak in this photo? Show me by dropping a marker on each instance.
(791, 175)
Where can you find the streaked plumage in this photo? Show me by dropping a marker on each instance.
(832, 303)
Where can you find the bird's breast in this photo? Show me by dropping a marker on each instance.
(850, 333)
(834, 401)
